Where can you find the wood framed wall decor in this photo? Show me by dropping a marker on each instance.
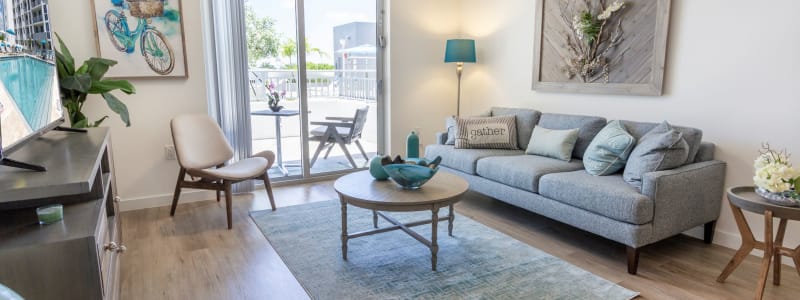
(601, 46)
(145, 37)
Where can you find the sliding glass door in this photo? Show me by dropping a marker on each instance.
(317, 104)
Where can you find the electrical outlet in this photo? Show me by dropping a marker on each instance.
(169, 152)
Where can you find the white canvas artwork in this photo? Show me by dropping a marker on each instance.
(144, 36)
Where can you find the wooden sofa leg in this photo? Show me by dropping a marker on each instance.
(633, 260)
(708, 231)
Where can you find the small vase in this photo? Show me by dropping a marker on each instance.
(782, 199)
(412, 145)
(276, 108)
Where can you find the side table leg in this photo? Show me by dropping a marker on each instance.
(796, 258)
(434, 243)
(776, 273)
(452, 217)
(768, 249)
(748, 243)
(344, 229)
(374, 218)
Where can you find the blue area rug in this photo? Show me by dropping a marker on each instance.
(476, 263)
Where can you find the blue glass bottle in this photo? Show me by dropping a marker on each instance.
(412, 145)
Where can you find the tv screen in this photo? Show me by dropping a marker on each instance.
(29, 92)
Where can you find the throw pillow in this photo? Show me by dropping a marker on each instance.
(609, 150)
(487, 133)
(451, 126)
(662, 148)
(553, 143)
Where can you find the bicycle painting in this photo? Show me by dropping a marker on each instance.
(142, 32)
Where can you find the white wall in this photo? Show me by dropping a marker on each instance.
(732, 70)
(421, 86)
(142, 171)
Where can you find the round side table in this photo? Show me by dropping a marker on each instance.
(746, 198)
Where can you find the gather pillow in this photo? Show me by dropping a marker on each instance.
(486, 133)
(662, 148)
(553, 143)
(609, 150)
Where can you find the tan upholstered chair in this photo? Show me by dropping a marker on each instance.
(203, 152)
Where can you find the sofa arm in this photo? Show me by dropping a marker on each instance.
(441, 138)
(684, 197)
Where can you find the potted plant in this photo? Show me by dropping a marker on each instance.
(775, 178)
(274, 97)
(78, 83)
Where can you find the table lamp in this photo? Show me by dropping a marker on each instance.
(459, 51)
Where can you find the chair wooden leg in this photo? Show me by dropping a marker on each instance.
(316, 153)
(363, 153)
(218, 192)
(228, 203)
(177, 194)
(328, 153)
(708, 231)
(347, 153)
(633, 260)
(268, 186)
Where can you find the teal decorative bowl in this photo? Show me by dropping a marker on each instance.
(410, 177)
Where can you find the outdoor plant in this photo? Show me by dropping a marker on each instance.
(274, 95)
(78, 83)
(596, 32)
(775, 174)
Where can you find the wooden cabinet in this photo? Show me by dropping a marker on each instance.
(78, 257)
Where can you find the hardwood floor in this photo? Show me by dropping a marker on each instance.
(195, 256)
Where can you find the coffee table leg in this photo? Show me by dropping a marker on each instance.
(374, 218)
(344, 229)
(452, 217)
(768, 249)
(434, 244)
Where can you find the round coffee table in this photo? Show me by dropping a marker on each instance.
(746, 198)
(361, 190)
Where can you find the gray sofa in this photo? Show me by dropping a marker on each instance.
(670, 201)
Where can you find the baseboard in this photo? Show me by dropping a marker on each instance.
(164, 200)
(732, 241)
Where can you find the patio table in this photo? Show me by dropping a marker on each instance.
(278, 115)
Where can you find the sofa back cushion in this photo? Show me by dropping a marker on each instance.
(588, 127)
(693, 136)
(487, 133)
(526, 120)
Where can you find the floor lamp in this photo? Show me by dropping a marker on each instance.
(459, 51)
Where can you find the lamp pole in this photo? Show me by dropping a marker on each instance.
(459, 70)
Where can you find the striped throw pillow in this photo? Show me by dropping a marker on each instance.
(487, 133)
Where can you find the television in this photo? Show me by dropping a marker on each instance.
(30, 104)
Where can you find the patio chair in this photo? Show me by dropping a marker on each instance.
(340, 131)
(203, 151)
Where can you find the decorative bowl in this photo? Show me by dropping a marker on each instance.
(782, 199)
(408, 176)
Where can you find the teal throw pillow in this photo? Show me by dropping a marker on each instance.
(609, 150)
(553, 143)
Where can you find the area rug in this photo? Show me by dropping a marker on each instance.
(476, 263)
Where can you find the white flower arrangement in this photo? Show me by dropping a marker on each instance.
(775, 174)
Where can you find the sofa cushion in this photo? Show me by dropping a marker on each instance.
(693, 136)
(487, 133)
(464, 160)
(662, 148)
(609, 150)
(609, 196)
(526, 120)
(588, 127)
(553, 143)
(523, 171)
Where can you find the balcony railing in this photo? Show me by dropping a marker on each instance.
(349, 84)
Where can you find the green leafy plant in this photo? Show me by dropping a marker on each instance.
(78, 84)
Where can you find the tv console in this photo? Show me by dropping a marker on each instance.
(78, 257)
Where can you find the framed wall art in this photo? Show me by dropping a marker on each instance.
(601, 46)
(145, 37)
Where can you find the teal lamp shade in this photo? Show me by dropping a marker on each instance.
(460, 50)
